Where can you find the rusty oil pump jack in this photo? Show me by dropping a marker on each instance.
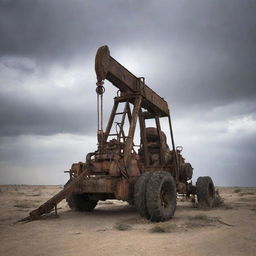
(149, 177)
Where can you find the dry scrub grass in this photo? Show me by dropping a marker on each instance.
(198, 217)
(122, 226)
(163, 227)
(247, 193)
(38, 193)
(253, 209)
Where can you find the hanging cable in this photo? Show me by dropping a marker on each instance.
(101, 110)
(98, 114)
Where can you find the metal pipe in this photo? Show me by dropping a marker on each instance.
(174, 149)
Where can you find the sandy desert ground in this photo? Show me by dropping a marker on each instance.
(115, 228)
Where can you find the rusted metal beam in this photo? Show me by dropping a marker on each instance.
(121, 124)
(174, 150)
(49, 205)
(144, 138)
(129, 113)
(161, 140)
(129, 141)
(107, 67)
(110, 121)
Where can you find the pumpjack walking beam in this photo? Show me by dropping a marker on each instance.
(108, 68)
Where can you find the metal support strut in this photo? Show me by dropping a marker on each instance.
(100, 89)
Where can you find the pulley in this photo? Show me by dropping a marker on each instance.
(100, 89)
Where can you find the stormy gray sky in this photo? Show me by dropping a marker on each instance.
(199, 55)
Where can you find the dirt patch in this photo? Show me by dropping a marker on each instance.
(201, 220)
(226, 206)
(248, 199)
(26, 204)
(114, 228)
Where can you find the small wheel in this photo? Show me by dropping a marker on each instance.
(140, 194)
(161, 196)
(80, 202)
(205, 191)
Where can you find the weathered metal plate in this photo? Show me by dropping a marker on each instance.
(96, 184)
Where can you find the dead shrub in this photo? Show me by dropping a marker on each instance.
(218, 200)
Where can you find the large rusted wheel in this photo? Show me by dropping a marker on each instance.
(140, 194)
(161, 196)
(205, 192)
(80, 202)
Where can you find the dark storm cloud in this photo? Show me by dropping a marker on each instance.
(61, 29)
(27, 117)
(41, 159)
(199, 55)
(36, 100)
(207, 48)
(46, 101)
(228, 155)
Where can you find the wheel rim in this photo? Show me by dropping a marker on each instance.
(211, 190)
(165, 195)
